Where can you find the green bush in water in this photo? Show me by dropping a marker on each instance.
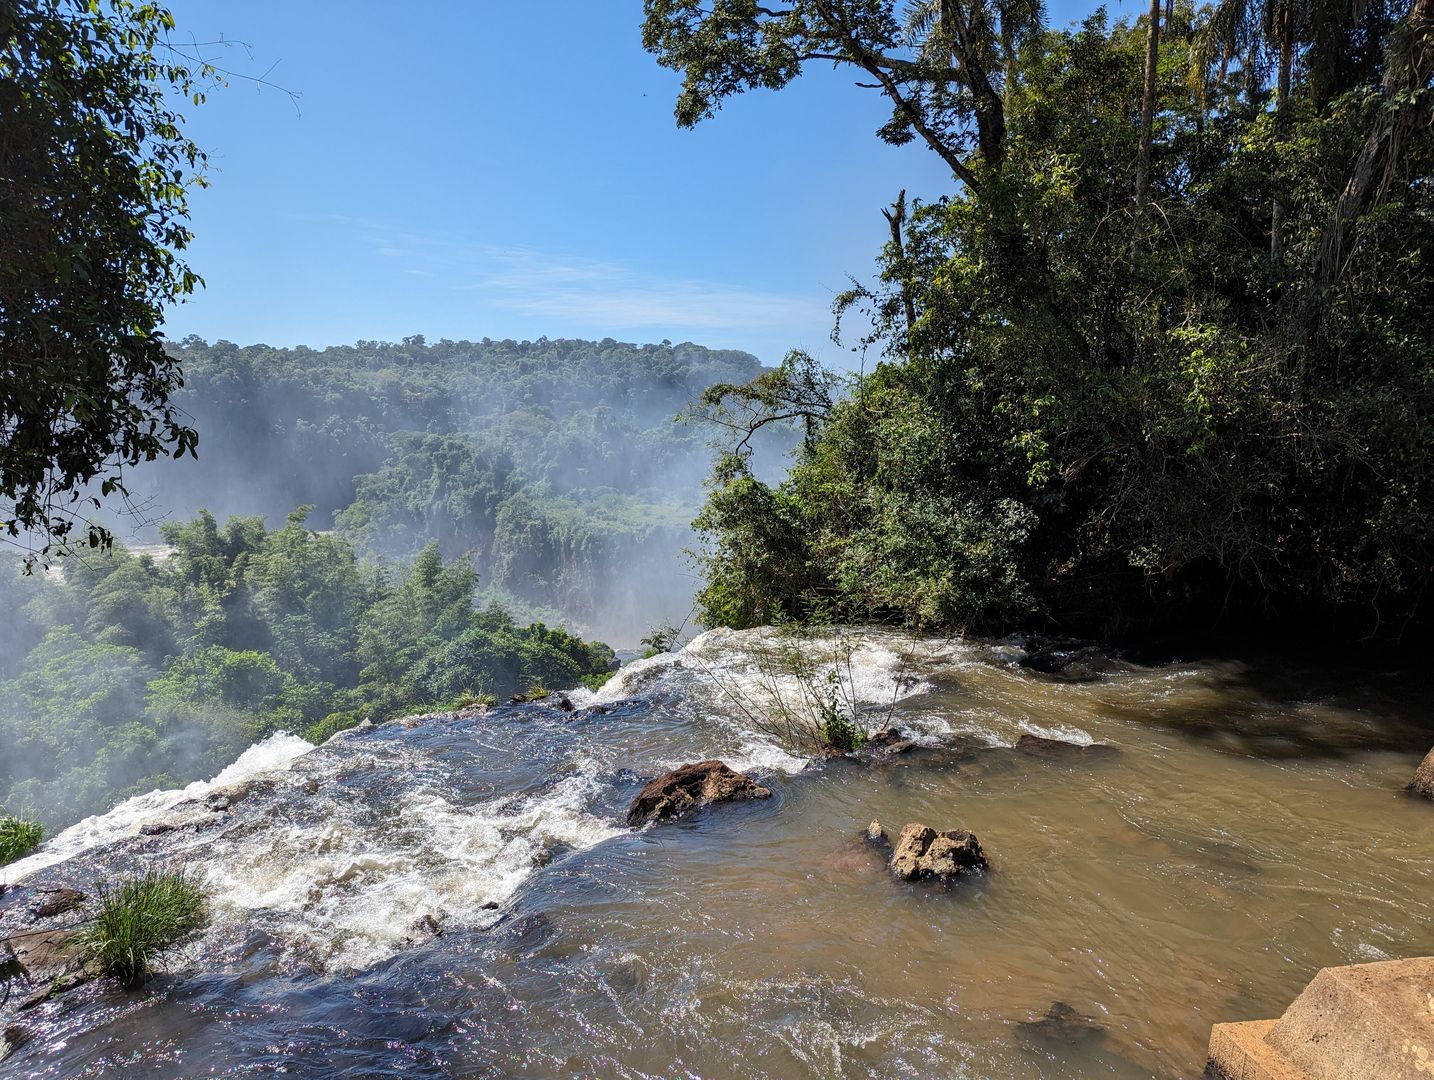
(18, 837)
(140, 917)
(841, 733)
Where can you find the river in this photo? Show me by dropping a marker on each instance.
(458, 895)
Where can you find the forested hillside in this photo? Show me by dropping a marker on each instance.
(1163, 358)
(558, 466)
(132, 673)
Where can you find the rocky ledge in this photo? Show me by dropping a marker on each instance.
(690, 787)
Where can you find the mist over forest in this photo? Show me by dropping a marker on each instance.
(559, 467)
(367, 530)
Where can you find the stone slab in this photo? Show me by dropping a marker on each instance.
(1365, 1022)
(1240, 1052)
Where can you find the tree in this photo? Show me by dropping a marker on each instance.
(94, 174)
(942, 70)
(1408, 105)
(1075, 429)
(1147, 106)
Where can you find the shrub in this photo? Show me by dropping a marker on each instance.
(139, 918)
(840, 732)
(18, 837)
(331, 725)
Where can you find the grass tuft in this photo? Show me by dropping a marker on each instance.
(139, 918)
(18, 837)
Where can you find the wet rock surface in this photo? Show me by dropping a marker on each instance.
(57, 901)
(1423, 782)
(889, 741)
(922, 853)
(691, 787)
(47, 962)
(1062, 1024)
(12, 1038)
(1065, 658)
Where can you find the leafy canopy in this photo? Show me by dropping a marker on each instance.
(94, 173)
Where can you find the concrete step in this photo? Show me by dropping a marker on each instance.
(1239, 1052)
(1364, 1022)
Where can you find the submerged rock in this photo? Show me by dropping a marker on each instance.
(889, 741)
(922, 852)
(689, 787)
(1074, 661)
(1063, 1024)
(57, 901)
(1060, 750)
(1423, 782)
(12, 1038)
(50, 961)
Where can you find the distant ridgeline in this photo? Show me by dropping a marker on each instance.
(557, 465)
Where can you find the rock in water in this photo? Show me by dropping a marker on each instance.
(1423, 782)
(875, 834)
(922, 852)
(57, 901)
(689, 787)
(1061, 750)
(1062, 1024)
(890, 741)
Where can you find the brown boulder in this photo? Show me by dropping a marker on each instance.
(922, 852)
(889, 741)
(689, 787)
(51, 963)
(1423, 782)
(57, 901)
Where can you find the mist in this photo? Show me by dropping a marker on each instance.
(368, 530)
(559, 468)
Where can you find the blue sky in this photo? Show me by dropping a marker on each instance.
(497, 170)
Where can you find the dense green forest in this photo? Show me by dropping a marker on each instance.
(130, 672)
(1163, 358)
(449, 494)
(559, 466)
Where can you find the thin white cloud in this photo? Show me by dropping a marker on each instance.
(538, 283)
(593, 292)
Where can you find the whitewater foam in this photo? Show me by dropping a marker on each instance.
(353, 892)
(276, 753)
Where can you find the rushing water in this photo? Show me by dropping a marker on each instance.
(458, 896)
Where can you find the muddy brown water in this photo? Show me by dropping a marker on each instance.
(1251, 829)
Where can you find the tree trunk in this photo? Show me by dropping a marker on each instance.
(1286, 17)
(896, 218)
(990, 113)
(1408, 71)
(1147, 108)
